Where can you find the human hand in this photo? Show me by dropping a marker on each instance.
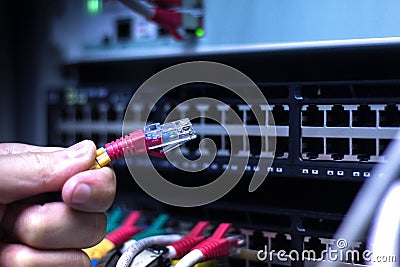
(51, 234)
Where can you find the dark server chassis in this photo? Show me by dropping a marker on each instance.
(324, 100)
(329, 136)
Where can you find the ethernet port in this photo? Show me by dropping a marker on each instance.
(230, 119)
(390, 117)
(251, 118)
(312, 116)
(364, 148)
(255, 145)
(337, 147)
(258, 240)
(282, 147)
(337, 117)
(312, 147)
(383, 144)
(124, 29)
(315, 244)
(281, 242)
(281, 116)
(364, 117)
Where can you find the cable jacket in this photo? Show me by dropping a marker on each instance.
(193, 257)
(142, 244)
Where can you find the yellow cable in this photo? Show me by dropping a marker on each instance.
(102, 159)
(99, 250)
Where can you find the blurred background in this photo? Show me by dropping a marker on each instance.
(69, 68)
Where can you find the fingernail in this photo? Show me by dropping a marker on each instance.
(81, 194)
(78, 150)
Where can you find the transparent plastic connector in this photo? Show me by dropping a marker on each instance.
(169, 135)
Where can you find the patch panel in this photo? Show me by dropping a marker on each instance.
(332, 124)
(349, 132)
(246, 114)
(315, 127)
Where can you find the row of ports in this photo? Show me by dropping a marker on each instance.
(351, 115)
(202, 113)
(210, 114)
(348, 149)
(248, 115)
(253, 146)
(312, 115)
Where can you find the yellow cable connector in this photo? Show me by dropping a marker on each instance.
(209, 263)
(99, 250)
(102, 159)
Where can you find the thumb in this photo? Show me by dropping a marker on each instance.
(28, 174)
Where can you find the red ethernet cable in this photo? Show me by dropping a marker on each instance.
(176, 248)
(155, 140)
(181, 247)
(211, 248)
(168, 19)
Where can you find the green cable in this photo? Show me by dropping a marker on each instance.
(156, 228)
(114, 219)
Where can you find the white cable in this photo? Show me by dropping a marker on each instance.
(384, 239)
(362, 210)
(139, 7)
(171, 253)
(190, 259)
(130, 253)
(127, 244)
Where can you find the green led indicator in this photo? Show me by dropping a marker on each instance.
(93, 7)
(199, 32)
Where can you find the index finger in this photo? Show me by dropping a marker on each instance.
(28, 174)
(18, 148)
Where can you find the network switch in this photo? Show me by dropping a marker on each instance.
(322, 129)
